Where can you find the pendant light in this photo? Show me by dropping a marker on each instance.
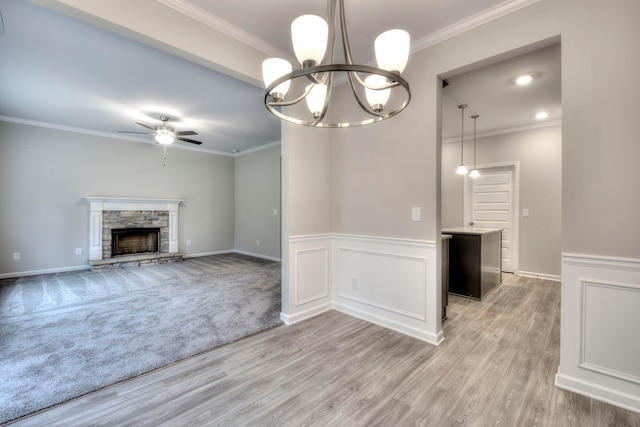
(313, 39)
(462, 169)
(474, 173)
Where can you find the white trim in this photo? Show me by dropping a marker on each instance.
(125, 137)
(584, 363)
(595, 391)
(201, 254)
(599, 261)
(267, 257)
(515, 165)
(422, 335)
(524, 128)
(305, 314)
(226, 28)
(470, 23)
(218, 24)
(253, 150)
(309, 237)
(542, 276)
(595, 359)
(45, 271)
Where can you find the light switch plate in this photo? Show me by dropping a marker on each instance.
(415, 214)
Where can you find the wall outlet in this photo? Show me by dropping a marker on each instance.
(354, 283)
(525, 213)
(78, 251)
(275, 211)
(188, 242)
(16, 256)
(257, 242)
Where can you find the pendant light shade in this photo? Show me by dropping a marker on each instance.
(316, 98)
(314, 43)
(392, 50)
(309, 36)
(474, 173)
(462, 169)
(273, 69)
(376, 95)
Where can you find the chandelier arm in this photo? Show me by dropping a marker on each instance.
(303, 72)
(345, 39)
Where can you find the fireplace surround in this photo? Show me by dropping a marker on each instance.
(109, 213)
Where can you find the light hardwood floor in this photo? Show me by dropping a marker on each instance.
(496, 367)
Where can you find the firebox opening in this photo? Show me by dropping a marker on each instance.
(128, 241)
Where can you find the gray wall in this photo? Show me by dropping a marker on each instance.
(45, 175)
(539, 152)
(257, 186)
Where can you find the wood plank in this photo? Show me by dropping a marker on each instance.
(496, 367)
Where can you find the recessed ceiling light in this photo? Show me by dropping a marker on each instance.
(235, 151)
(542, 115)
(524, 80)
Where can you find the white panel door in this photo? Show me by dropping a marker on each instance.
(491, 206)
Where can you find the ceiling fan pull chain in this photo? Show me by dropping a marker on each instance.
(164, 163)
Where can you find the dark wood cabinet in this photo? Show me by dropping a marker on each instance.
(475, 261)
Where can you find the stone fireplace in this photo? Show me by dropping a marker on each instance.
(126, 230)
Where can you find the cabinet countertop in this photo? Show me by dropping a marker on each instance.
(471, 230)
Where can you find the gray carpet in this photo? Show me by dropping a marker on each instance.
(63, 335)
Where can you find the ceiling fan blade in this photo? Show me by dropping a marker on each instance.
(186, 132)
(138, 133)
(145, 126)
(189, 140)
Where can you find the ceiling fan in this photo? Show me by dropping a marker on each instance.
(164, 134)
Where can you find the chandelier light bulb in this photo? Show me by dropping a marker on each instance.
(309, 34)
(273, 69)
(377, 98)
(315, 99)
(392, 50)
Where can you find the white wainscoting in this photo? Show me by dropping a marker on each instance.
(389, 282)
(600, 329)
(310, 275)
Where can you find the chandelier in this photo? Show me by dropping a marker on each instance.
(313, 38)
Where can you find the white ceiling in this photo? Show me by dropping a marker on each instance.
(58, 71)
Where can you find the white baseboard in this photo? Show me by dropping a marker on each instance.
(45, 271)
(422, 335)
(304, 315)
(201, 254)
(543, 276)
(232, 251)
(596, 391)
(270, 258)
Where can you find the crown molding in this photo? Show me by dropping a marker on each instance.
(508, 130)
(259, 148)
(187, 8)
(470, 23)
(119, 136)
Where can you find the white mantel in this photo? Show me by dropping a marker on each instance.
(100, 204)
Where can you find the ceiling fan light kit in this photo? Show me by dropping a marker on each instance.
(165, 135)
(313, 39)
